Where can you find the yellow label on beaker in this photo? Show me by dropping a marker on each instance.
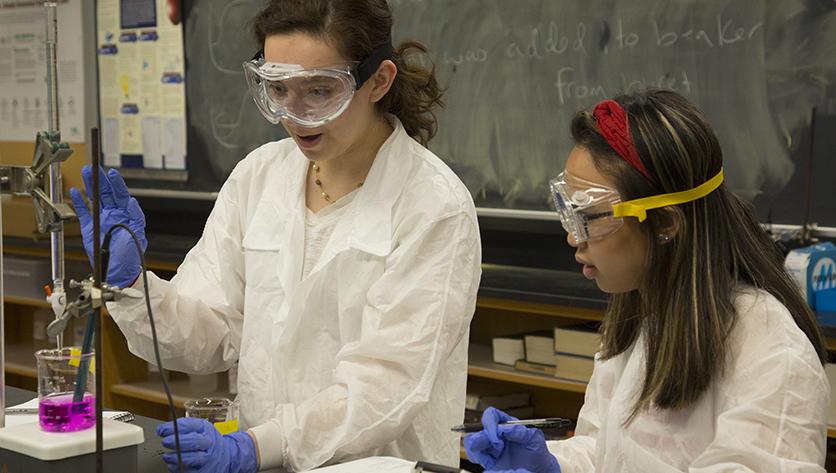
(227, 427)
(75, 359)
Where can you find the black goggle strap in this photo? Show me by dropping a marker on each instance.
(367, 67)
(596, 216)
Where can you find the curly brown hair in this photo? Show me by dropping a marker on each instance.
(357, 28)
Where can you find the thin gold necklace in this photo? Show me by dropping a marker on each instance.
(322, 189)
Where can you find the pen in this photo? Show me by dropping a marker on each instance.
(426, 467)
(547, 423)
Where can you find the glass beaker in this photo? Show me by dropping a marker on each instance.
(66, 402)
(220, 411)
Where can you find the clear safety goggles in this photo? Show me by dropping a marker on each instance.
(585, 208)
(308, 97)
(590, 211)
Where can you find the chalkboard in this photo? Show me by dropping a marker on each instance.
(516, 71)
(223, 122)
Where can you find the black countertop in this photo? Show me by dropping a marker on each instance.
(150, 452)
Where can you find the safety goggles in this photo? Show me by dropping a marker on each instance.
(590, 211)
(585, 208)
(310, 97)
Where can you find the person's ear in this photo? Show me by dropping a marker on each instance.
(382, 80)
(670, 221)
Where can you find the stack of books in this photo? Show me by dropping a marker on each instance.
(576, 346)
(534, 347)
(507, 350)
(539, 348)
(565, 352)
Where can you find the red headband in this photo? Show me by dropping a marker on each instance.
(614, 127)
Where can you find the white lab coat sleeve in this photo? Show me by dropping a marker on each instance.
(199, 313)
(772, 408)
(415, 315)
(577, 454)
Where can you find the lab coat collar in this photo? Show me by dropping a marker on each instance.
(367, 224)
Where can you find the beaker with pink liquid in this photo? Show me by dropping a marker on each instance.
(63, 405)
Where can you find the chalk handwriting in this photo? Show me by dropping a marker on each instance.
(678, 83)
(723, 35)
(555, 42)
(623, 39)
(571, 90)
(470, 55)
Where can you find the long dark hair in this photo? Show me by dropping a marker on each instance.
(688, 314)
(356, 28)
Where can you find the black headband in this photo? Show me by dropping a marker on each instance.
(368, 66)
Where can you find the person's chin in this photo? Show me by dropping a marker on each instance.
(609, 288)
(602, 283)
(313, 155)
(603, 287)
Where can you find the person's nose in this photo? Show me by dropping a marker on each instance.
(294, 102)
(574, 244)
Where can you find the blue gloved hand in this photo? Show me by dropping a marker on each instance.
(117, 206)
(205, 450)
(518, 470)
(509, 447)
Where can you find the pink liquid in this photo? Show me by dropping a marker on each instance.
(61, 414)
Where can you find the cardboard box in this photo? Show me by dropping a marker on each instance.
(814, 270)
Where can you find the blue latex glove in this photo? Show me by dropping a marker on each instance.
(205, 450)
(509, 447)
(518, 470)
(117, 206)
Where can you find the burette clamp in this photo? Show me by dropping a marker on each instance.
(32, 181)
(91, 298)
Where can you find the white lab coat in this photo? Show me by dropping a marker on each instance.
(365, 356)
(767, 414)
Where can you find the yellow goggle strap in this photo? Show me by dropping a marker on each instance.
(638, 207)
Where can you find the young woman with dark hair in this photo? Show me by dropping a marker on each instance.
(711, 359)
(339, 267)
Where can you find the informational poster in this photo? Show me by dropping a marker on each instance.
(23, 64)
(142, 92)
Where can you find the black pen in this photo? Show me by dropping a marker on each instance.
(434, 468)
(547, 423)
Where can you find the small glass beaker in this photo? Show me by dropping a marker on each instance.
(66, 383)
(220, 411)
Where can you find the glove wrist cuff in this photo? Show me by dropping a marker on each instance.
(247, 457)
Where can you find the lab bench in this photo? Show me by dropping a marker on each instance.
(149, 452)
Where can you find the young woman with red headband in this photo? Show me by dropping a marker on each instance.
(711, 360)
